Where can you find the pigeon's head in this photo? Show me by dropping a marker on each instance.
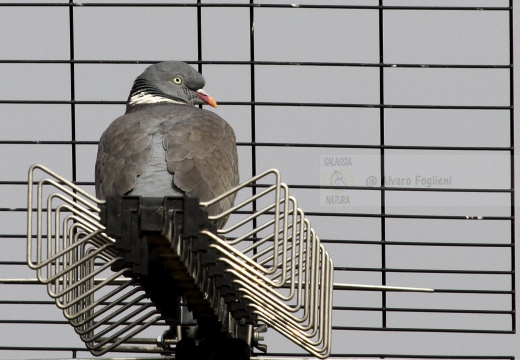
(170, 82)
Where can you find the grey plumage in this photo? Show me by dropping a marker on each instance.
(164, 146)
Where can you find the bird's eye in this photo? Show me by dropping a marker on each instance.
(177, 80)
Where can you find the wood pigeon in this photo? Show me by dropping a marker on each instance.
(165, 146)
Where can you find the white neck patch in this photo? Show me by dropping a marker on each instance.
(143, 97)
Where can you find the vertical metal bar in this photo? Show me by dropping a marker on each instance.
(512, 144)
(253, 99)
(382, 160)
(72, 89)
(253, 95)
(199, 36)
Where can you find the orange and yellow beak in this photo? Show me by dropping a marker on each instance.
(206, 98)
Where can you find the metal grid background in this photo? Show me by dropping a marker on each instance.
(296, 100)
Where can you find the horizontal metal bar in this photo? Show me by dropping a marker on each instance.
(379, 146)
(425, 271)
(36, 282)
(24, 183)
(399, 216)
(410, 216)
(13, 263)
(50, 302)
(415, 243)
(356, 242)
(279, 356)
(323, 187)
(82, 349)
(410, 329)
(264, 63)
(470, 291)
(47, 142)
(40, 322)
(26, 302)
(64, 322)
(392, 188)
(338, 286)
(289, 145)
(507, 293)
(285, 145)
(273, 5)
(423, 310)
(147, 341)
(63, 102)
(401, 243)
(266, 103)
